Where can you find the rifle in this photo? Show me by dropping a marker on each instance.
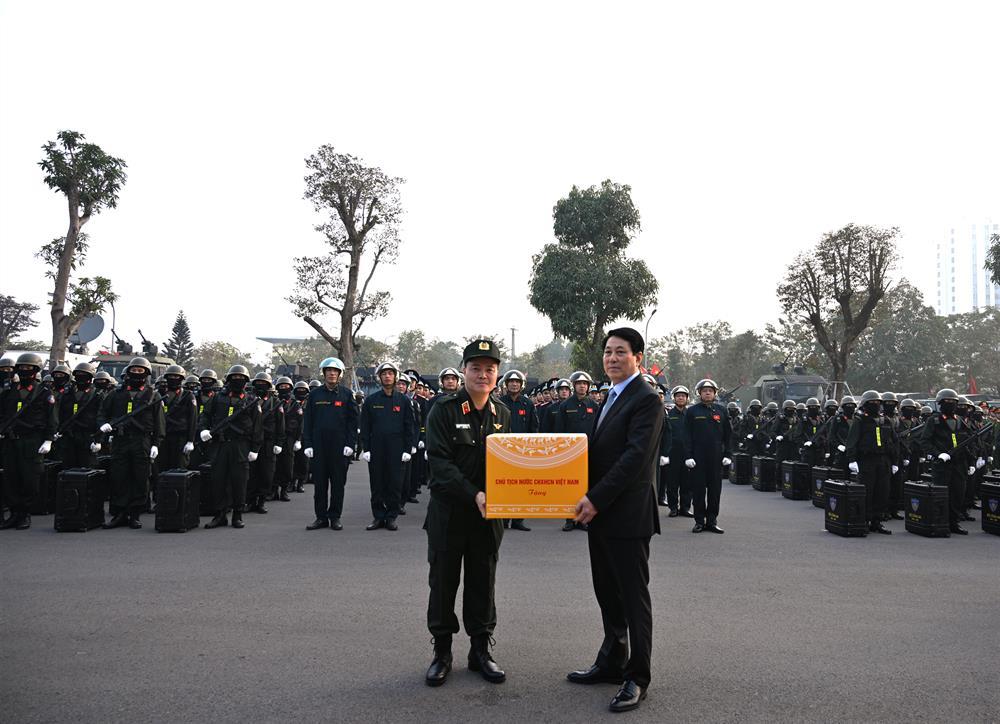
(27, 403)
(122, 420)
(65, 426)
(228, 422)
(907, 433)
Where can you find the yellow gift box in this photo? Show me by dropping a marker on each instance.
(535, 475)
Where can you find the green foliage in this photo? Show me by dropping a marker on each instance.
(544, 361)
(993, 259)
(974, 349)
(83, 172)
(88, 296)
(15, 318)
(219, 356)
(710, 349)
(585, 282)
(52, 252)
(179, 347)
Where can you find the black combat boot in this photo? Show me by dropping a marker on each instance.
(117, 521)
(237, 518)
(23, 522)
(437, 672)
(11, 521)
(283, 495)
(481, 661)
(133, 521)
(219, 521)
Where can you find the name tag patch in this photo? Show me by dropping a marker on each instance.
(463, 426)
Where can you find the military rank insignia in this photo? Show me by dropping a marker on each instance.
(465, 408)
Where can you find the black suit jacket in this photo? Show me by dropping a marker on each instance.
(622, 460)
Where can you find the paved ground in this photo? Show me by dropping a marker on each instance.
(774, 621)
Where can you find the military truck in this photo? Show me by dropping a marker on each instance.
(780, 386)
(116, 364)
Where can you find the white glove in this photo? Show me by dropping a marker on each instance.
(308, 452)
(56, 437)
(420, 444)
(668, 460)
(750, 436)
(348, 451)
(251, 457)
(106, 428)
(906, 463)
(807, 443)
(297, 445)
(826, 455)
(989, 460)
(153, 452)
(972, 470)
(979, 463)
(44, 449)
(205, 436)
(727, 461)
(853, 467)
(690, 462)
(944, 457)
(413, 451)
(779, 438)
(366, 456)
(841, 448)
(188, 448)
(406, 457)
(425, 454)
(664, 460)
(276, 449)
(95, 447)
(895, 469)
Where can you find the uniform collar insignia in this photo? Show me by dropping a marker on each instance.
(466, 408)
(493, 410)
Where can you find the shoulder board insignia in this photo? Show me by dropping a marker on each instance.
(465, 408)
(493, 410)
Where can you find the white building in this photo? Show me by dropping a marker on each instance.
(963, 284)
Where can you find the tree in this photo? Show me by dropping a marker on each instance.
(993, 259)
(90, 180)
(584, 281)
(974, 346)
(179, 347)
(364, 211)
(218, 356)
(15, 318)
(837, 285)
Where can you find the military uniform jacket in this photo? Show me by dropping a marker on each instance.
(330, 420)
(294, 411)
(522, 414)
(272, 419)
(78, 411)
(708, 431)
(680, 445)
(942, 434)
(785, 427)
(809, 429)
(28, 412)
(909, 445)
(148, 422)
(388, 420)
(576, 415)
(456, 453)
(547, 416)
(247, 427)
(666, 436)
(871, 435)
(839, 429)
(181, 411)
(749, 425)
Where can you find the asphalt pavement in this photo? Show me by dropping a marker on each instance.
(776, 620)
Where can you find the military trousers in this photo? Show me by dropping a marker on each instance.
(172, 455)
(952, 474)
(129, 473)
(875, 473)
(22, 472)
(230, 473)
(76, 452)
(262, 472)
(705, 481)
(678, 489)
(385, 473)
(470, 549)
(329, 476)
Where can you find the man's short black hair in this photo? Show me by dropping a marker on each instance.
(630, 335)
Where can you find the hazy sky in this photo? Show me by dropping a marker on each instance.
(746, 130)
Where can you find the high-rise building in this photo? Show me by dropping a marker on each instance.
(963, 284)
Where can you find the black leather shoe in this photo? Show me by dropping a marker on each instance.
(698, 528)
(412, 499)
(11, 522)
(594, 675)
(506, 523)
(440, 666)
(259, 507)
(402, 511)
(714, 528)
(662, 503)
(895, 515)
(391, 525)
(967, 517)
(283, 497)
(958, 530)
(628, 697)
(219, 521)
(481, 661)
(519, 525)
(24, 522)
(134, 523)
(317, 524)
(673, 513)
(582, 526)
(335, 524)
(375, 525)
(117, 521)
(686, 514)
(237, 519)
(568, 526)
(879, 529)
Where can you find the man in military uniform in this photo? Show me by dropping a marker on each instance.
(750, 426)
(209, 381)
(837, 443)
(78, 410)
(180, 407)
(232, 420)
(872, 449)
(810, 433)
(134, 415)
(782, 431)
(403, 386)
(549, 420)
(710, 439)
(6, 373)
(522, 420)
(291, 411)
(894, 502)
(458, 533)
(387, 435)
(677, 488)
(329, 436)
(300, 470)
(272, 423)
(666, 447)
(28, 424)
(60, 380)
(576, 413)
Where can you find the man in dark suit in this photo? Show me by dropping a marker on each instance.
(620, 509)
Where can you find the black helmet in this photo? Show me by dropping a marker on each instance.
(85, 368)
(907, 403)
(30, 359)
(889, 397)
(300, 384)
(283, 381)
(191, 382)
(870, 396)
(262, 377)
(788, 405)
(812, 402)
(7, 362)
(208, 374)
(733, 406)
(174, 370)
(238, 370)
(140, 362)
(946, 394)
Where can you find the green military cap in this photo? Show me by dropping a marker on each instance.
(481, 348)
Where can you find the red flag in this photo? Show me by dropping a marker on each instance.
(654, 370)
(973, 387)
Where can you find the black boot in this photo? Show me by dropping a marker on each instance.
(237, 519)
(219, 521)
(481, 661)
(518, 524)
(133, 521)
(258, 505)
(117, 521)
(11, 521)
(23, 522)
(283, 496)
(437, 672)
